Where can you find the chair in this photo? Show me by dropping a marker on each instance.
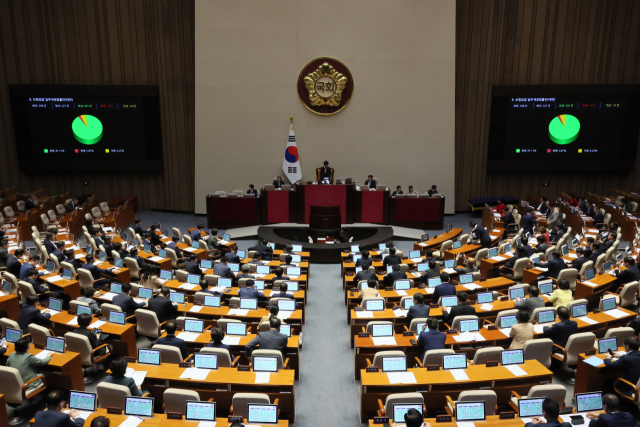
(576, 302)
(413, 327)
(518, 269)
(587, 265)
(15, 391)
(175, 261)
(176, 232)
(445, 246)
(224, 359)
(114, 254)
(111, 395)
(46, 224)
(104, 207)
(571, 274)
(96, 212)
(626, 295)
(377, 358)
(61, 210)
(26, 290)
(577, 343)
(80, 344)
(168, 353)
(187, 239)
(147, 323)
(486, 354)
(433, 357)
(488, 396)
(13, 281)
(480, 255)
(132, 265)
(53, 218)
(556, 392)
(212, 279)
(399, 398)
(8, 211)
(39, 334)
(538, 349)
(620, 334)
(635, 396)
(181, 275)
(240, 402)
(456, 320)
(85, 278)
(175, 399)
(5, 323)
(600, 263)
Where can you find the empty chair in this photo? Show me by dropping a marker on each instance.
(517, 271)
(224, 358)
(16, 393)
(187, 240)
(600, 263)
(104, 207)
(61, 210)
(88, 356)
(168, 353)
(107, 308)
(627, 295)
(5, 323)
(538, 349)
(175, 399)
(445, 246)
(241, 400)
(487, 354)
(555, 392)
(433, 357)
(46, 224)
(620, 334)
(39, 334)
(399, 398)
(147, 323)
(85, 278)
(111, 395)
(96, 212)
(176, 232)
(480, 255)
(377, 358)
(571, 274)
(8, 211)
(489, 398)
(132, 265)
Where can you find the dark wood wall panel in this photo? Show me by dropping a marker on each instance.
(109, 42)
(536, 42)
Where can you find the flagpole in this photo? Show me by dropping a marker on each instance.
(291, 122)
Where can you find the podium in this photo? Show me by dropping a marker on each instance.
(325, 217)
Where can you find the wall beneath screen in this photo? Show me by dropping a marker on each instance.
(398, 126)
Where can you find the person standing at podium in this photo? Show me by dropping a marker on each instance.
(278, 183)
(325, 172)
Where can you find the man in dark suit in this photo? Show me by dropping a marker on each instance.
(192, 266)
(4, 253)
(222, 269)
(628, 363)
(418, 310)
(137, 228)
(580, 260)
(72, 205)
(277, 183)
(71, 259)
(126, 302)
(252, 190)
(507, 217)
(54, 416)
(391, 259)
(27, 266)
(49, 244)
(41, 289)
(372, 183)
(98, 239)
(195, 234)
(444, 289)
(13, 262)
(598, 217)
(519, 253)
(108, 245)
(84, 320)
(596, 251)
(398, 191)
(542, 245)
(559, 234)
(462, 309)
(481, 235)
(434, 190)
(249, 291)
(469, 266)
(257, 257)
(29, 203)
(631, 273)
(612, 416)
(29, 313)
(365, 274)
(139, 260)
(173, 244)
(560, 332)
(162, 306)
(554, 266)
(232, 257)
(432, 272)
(609, 241)
(528, 221)
(263, 246)
(528, 250)
(271, 340)
(583, 205)
(279, 272)
(172, 340)
(542, 207)
(431, 339)
(550, 412)
(58, 252)
(245, 273)
(364, 261)
(283, 292)
(396, 274)
(146, 240)
(325, 171)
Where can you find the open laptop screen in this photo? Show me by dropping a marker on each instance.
(82, 401)
(200, 411)
(141, 406)
(588, 402)
(262, 414)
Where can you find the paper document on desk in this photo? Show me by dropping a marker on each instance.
(422, 244)
(43, 354)
(590, 235)
(516, 370)
(259, 276)
(364, 314)
(138, 376)
(417, 260)
(449, 271)
(401, 378)
(188, 286)
(80, 256)
(542, 269)
(284, 315)
(2, 294)
(486, 307)
(384, 341)
(616, 313)
(140, 300)
(97, 324)
(572, 255)
(594, 361)
(469, 336)
(51, 312)
(223, 242)
(459, 375)
(228, 340)
(195, 374)
(589, 320)
(238, 312)
(189, 249)
(506, 331)
(188, 336)
(54, 279)
(293, 277)
(593, 285)
(402, 293)
(538, 329)
(263, 377)
(431, 290)
(73, 322)
(400, 313)
(108, 296)
(81, 414)
(472, 286)
(498, 258)
(210, 424)
(155, 259)
(416, 274)
(131, 422)
(465, 424)
(195, 308)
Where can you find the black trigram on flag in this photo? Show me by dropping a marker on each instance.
(292, 170)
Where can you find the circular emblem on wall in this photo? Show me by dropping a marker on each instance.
(325, 86)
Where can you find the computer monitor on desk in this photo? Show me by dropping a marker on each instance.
(530, 408)
(140, 406)
(259, 414)
(200, 411)
(588, 402)
(394, 363)
(546, 316)
(385, 330)
(454, 361)
(470, 411)
(400, 409)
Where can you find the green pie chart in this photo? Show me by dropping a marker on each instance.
(564, 129)
(87, 129)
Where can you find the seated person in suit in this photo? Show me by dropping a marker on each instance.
(55, 415)
(419, 309)
(29, 313)
(118, 368)
(232, 256)
(283, 292)
(257, 258)
(4, 252)
(30, 202)
(431, 339)
(125, 301)
(398, 191)
(628, 363)
(364, 261)
(631, 273)
(137, 228)
(522, 331)
(365, 274)
(217, 335)
(87, 297)
(279, 271)
(412, 191)
(465, 265)
(554, 266)
(396, 274)
(370, 290)
(196, 234)
(273, 312)
(204, 285)
(371, 182)
(140, 261)
(245, 272)
(598, 216)
(551, 412)
(431, 272)
(41, 289)
(580, 260)
(108, 245)
(146, 240)
(270, 340)
(560, 332)
(444, 289)
(612, 416)
(98, 238)
(162, 306)
(508, 266)
(13, 261)
(559, 234)
(288, 260)
(608, 241)
(462, 309)
(507, 217)
(278, 182)
(529, 304)
(252, 190)
(84, 320)
(263, 246)
(71, 259)
(433, 190)
(26, 363)
(91, 228)
(528, 221)
(27, 266)
(391, 259)
(72, 205)
(250, 291)
(49, 243)
(192, 266)
(120, 250)
(173, 245)
(528, 250)
(59, 251)
(325, 172)
(388, 247)
(428, 256)
(172, 340)
(542, 207)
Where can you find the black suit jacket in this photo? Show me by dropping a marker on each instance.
(629, 275)
(49, 246)
(56, 419)
(558, 236)
(615, 419)
(69, 207)
(630, 365)
(172, 340)
(391, 260)
(30, 314)
(254, 191)
(277, 184)
(528, 222)
(127, 304)
(577, 263)
(325, 172)
(459, 310)
(93, 340)
(598, 217)
(561, 331)
(232, 257)
(28, 204)
(4, 258)
(418, 311)
(443, 290)
(393, 276)
(176, 249)
(372, 184)
(192, 267)
(163, 308)
(508, 219)
(366, 275)
(481, 234)
(364, 263)
(13, 266)
(554, 266)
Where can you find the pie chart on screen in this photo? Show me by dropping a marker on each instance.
(564, 129)
(87, 129)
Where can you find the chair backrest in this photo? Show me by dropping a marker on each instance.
(556, 392)
(401, 398)
(434, 357)
(85, 278)
(212, 279)
(21, 205)
(376, 322)
(480, 255)
(223, 323)
(607, 218)
(175, 399)
(70, 267)
(111, 395)
(488, 396)
(176, 232)
(534, 314)
(148, 324)
(96, 212)
(241, 400)
(8, 211)
(511, 312)
(600, 263)
(11, 384)
(104, 207)
(79, 344)
(486, 354)
(181, 275)
(456, 320)
(413, 327)
(54, 259)
(5, 323)
(73, 305)
(576, 302)
(587, 265)
(114, 254)
(13, 281)
(187, 239)
(107, 308)
(377, 358)
(39, 334)
(628, 294)
(519, 267)
(61, 210)
(168, 353)
(547, 253)
(26, 290)
(132, 265)
(464, 239)
(538, 349)
(620, 334)
(224, 359)
(578, 343)
(52, 215)
(446, 245)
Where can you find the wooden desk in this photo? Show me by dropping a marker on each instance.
(164, 264)
(492, 421)
(69, 287)
(121, 337)
(65, 369)
(592, 294)
(221, 384)
(436, 385)
(10, 304)
(253, 316)
(466, 249)
(592, 378)
(490, 267)
(74, 222)
(436, 241)
(120, 221)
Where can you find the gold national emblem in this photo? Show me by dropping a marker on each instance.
(325, 86)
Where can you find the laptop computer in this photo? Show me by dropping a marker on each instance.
(589, 274)
(606, 344)
(414, 254)
(235, 328)
(139, 406)
(206, 264)
(449, 301)
(355, 249)
(608, 304)
(457, 244)
(407, 303)
(66, 274)
(262, 414)
(262, 269)
(102, 256)
(50, 267)
(382, 246)
(466, 279)
(55, 344)
(394, 363)
(117, 318)
(116, 288)
(512, 357)
(546, 316)
(211, 301)
(241, 254)
(200, 411)
(6, 287)
(470, 411)
(296, 248)
(588, 402)
(450, 263)
(82, 401)
(249, 303)
(286, 305)
(259, 284)
(264, 364)
(193, 279)
(84, 309)
(148, 357)
(162, 253)
(545, 286)
(55, 304)
(226, 237)
(118, 262)
(176, 297)
(205, 361)
(296, 258)
(12, 335)
(454, 361)
(192, 325)
(382, 330)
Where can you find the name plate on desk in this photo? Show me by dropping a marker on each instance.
(363, 335)
(507, 415)
(197, 303)
(452, 331)
(38, 346)
(433, 367)
(244, 368)
(443, 418)
(492, 327)
(184, 365)
(407, 334)
(130, 359)
(566, 410)
(354, 290)
(492, 363)
(373, 369)
(71, 312)
(388, 288)
(174, 416)
(380, 420)
(233, 418)
(433, 305)
(114, 411)
(358, 309)
(590, 352)
(596, 310)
